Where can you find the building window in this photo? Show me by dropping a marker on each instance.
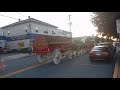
(36, 30)
(2, 33)
(8, 32)
(25, 30)
(46, 32)
(59, 34)
(53, 32)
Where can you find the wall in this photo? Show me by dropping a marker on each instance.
(2, 43)
(14, 44)
(15, 30)
(41, 28)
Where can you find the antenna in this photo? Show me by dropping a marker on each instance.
(70, 23)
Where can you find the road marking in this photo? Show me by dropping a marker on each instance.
(116, 69)
(115, 74)
(95, 65)
(91, 64)
(22, 70)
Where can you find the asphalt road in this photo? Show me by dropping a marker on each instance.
(80, 67)
(4, 55)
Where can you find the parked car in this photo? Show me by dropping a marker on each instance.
(101, 53)
(116, 44)
(110, 45)
(4, 50)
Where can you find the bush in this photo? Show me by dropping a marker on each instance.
(24, 50)
(14, 51)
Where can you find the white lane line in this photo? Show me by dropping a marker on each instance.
(94, 65)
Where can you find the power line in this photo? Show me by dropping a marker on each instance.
(8, 17)
(21, 14)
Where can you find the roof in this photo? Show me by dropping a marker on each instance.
(105, 43)
(28, 20)
(101, 46)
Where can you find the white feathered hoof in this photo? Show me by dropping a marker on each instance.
(56, 60)
(56, 56)
(40, 58)
(70, 56)
(74, 54)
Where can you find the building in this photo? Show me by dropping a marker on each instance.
(3, 39)
(19, 35)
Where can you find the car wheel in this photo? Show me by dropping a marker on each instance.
(91, 60)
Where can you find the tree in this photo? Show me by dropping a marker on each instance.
(102, 40)
(106, 22)
(97, 39)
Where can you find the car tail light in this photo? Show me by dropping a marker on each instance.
(92, 53)
(105, 53)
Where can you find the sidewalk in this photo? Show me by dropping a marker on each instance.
(118, 60)
(12, 57)
(116, 73)
(119, 65)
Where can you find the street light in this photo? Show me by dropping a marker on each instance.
(105, 37)
(100, 36)
(111, 37)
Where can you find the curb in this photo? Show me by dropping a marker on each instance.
(115, 74)
(21, 57)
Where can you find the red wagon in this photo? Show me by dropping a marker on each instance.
(53, 47)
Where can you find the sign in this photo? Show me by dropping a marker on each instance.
(118, 25)
(21, 45)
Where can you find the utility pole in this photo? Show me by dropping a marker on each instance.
(70, 23)
(29, 32)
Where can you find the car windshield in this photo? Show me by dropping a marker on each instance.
(104, 44)
(100, 49)
(110, 45)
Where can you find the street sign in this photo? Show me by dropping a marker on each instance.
(21, 45)
(118, 25)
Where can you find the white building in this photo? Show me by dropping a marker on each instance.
(20, 34)
(2, 39)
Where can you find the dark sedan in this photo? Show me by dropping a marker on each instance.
(101, 53)
(4, 50)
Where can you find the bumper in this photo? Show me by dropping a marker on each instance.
(101, 58)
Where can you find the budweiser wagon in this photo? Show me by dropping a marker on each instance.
(54, 48)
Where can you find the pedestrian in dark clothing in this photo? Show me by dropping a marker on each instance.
(30, 50)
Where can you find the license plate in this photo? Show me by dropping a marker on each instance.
(98, 54)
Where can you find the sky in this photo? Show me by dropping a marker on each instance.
(81, 24)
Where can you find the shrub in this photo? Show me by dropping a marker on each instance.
(24, 50)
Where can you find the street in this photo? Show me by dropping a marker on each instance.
(79, 67)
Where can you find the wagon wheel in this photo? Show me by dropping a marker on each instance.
(56, 56)
(75, 54)
(70, 56)
(78, 53)
(40, 58)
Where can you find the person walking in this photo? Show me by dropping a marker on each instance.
(30, 50)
